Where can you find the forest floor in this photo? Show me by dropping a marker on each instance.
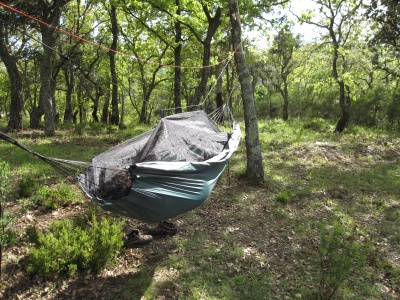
(326, 222)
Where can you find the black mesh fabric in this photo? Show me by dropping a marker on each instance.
(190, 137)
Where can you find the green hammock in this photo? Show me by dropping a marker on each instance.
(173, 168)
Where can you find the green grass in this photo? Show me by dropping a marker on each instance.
(328, 200)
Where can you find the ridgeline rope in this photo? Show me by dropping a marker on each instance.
(26, 15)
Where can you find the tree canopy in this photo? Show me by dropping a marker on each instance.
(125, 61)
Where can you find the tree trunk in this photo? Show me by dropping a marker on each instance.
(121, 123)
(50, 13)
(143, 112)
(255, 170)
(114, 95)
(213, 24)
(272, 108)
(104, 116)
(96, 101)
(80, 104)
(95, 111)
(177, 57)
(229, 88)
(218, 98)
(47, 84)
(285, 96)
(56, 111)
(344, 102)
(17, 91)
(36, 116)
(70, 82)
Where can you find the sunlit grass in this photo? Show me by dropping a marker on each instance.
(259, 242)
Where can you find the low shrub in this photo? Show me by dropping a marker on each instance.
(111, 129)
(70, 246)
(339, 253)
(284, 197)
(315, 124)
(27, 187)
(7, 236)
(79, 128)
(50, 198)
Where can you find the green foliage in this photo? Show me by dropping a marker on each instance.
(339, 251)
(224, 267)
(315, 124)
(393, 274)
(251, 246)
(70, 246)
(27, 187)
(7, 236)
(393, 111)
(4, 173)
(393, 213)
(79, 128)
(96, 126)
(370, 108)
(284, 197)
(50, 198)
(32, 234)
(112, 129)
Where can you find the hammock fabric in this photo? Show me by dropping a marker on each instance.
(164, 172)
(159, 174)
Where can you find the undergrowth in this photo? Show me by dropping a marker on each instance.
(340, 252)
(46, 197)
(69, 246)
(324, 225)
(7, 236)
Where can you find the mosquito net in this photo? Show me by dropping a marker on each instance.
(185, 137)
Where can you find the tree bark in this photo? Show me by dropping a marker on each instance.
(114, 92)
(70, 82)
(104, 116)
(344, 101)
(213, 24)
(337, 37)
(255, 170)
(285, 96)
(47, 87)
(95, 111)
(218, 99)
(17, 91)
(143, 111)
(177, 57)
(229, 87)
(51, 14)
